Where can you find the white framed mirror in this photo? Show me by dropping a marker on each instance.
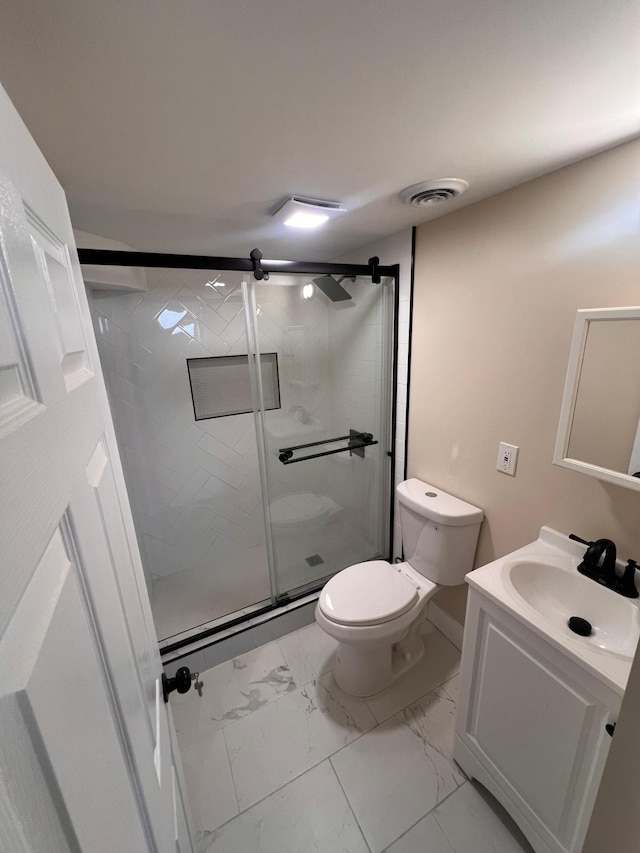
(599, 430)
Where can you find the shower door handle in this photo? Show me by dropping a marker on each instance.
(357, 443)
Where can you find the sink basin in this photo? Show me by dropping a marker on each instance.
(557, 592)
(539, 585)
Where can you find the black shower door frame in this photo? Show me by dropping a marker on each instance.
(122, 258)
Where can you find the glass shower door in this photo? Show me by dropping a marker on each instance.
(324, 442)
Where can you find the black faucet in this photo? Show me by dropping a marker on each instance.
(600, 559)
(599, 564)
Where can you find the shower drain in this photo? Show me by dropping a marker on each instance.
(314, 560)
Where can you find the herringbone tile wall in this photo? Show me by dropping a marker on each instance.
(194, 486)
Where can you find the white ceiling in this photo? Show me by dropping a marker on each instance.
(179, 126)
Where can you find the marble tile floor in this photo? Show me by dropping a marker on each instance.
(277, 759)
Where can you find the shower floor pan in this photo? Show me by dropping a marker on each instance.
(188, 603)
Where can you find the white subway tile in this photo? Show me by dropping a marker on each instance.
(157, 297)
(219, 450)
(190, 489)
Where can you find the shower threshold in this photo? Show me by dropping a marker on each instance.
(242, 620)
(213, 626)
(250, 619)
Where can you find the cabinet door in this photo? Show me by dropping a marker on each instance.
(538, 729)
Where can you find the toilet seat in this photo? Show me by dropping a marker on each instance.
(370, 593)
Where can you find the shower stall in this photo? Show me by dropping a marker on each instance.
(253, 409)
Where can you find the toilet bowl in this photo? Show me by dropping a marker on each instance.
(375, 609)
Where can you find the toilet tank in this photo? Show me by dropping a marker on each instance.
(439, 532)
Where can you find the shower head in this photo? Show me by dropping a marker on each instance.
(332, 288)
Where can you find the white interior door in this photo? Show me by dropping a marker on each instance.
(86, 760)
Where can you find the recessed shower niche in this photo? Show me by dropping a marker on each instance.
(221, 385)
(254, 420)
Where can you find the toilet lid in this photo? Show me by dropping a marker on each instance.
(367, 594)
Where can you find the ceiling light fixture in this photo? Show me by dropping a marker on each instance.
(302, 219)
(300, 212)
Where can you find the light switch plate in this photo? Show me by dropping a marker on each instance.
(507, 458)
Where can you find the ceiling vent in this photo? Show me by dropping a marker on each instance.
(429, 193)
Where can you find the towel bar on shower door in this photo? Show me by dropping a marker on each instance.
(357, 443)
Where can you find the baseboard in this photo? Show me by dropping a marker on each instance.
(447, 625)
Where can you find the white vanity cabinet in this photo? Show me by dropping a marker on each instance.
(531, 726)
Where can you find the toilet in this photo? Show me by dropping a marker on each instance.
(375, 609)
